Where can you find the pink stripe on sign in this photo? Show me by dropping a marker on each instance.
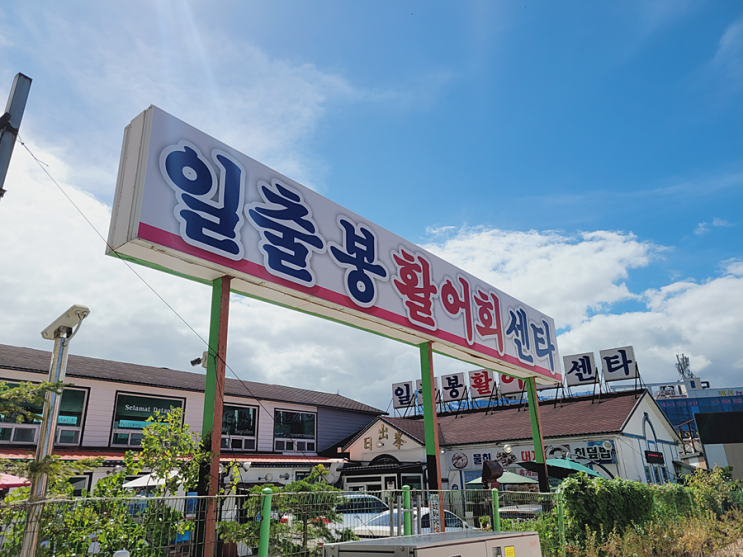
(173, 241)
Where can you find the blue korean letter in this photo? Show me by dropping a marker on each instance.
(209, 224)
(543, 342)
(518, 329)
(359, 256)
(288, 232)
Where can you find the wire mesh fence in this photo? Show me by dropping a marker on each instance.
(300, 523)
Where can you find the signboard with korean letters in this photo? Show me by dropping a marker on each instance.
(514, 386)
(619, 363)
(453, 387)
(580, 369)
(601, 452)
(419, 391)
(403, 395)
(482, 383)
(510, 385)
(190, 205)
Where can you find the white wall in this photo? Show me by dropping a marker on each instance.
(637, 426)
(410, 451)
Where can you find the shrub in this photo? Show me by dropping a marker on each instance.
(601, 505)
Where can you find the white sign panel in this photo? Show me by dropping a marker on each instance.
(510, 385)
(453, 387)
(580, 369)
(403, 395)
(482, 383)
(419, 391)
(191, 205)
(618, 364)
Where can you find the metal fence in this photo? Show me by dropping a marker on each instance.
(300, 523)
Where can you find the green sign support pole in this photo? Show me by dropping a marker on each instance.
(211, 433)
(536, 433)
(433, 459)
(433, 453)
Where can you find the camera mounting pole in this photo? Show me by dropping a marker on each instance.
(61, 332)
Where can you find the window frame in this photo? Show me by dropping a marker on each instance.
(244, 438)
(14, 426)
(128, 432)
(295, 440)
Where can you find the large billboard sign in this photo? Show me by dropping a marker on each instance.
(193, 206)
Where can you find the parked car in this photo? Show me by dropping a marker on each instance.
(379, 526)
(357, 509)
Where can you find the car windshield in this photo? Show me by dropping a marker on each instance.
(362, 504)
(451, 520)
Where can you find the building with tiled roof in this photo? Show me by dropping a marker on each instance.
(611, 435)
(279, 430)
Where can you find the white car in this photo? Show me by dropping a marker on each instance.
(357, 509)
(379, 526)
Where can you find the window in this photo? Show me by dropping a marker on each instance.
(79, 484)
(238, 428)
(131, 413)
(415, 482)
(69, 420)
(294, 431)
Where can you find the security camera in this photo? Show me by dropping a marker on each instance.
(68, 320)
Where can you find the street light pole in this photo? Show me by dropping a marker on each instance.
(10, 121)
(61, 332)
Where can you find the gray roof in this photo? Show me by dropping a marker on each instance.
(37, 361)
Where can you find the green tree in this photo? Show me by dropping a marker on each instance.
(17, 403)
(144, 526)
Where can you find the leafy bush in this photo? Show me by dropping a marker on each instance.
(545, 525)
(600, 505)
(621, 517)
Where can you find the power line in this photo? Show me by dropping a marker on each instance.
(44, 167)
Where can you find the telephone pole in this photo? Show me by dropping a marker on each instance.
(10, 122)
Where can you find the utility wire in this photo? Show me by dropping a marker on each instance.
(44, 167)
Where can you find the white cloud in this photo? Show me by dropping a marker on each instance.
(729, 56)
(701, 320)
(566, 276)
(703, 227)
(721, 222)
(579, 279)
(264, 106)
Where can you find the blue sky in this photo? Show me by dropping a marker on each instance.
(585, 157)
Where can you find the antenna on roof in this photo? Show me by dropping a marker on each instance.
(682, 366)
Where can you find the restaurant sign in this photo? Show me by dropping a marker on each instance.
(188, 204)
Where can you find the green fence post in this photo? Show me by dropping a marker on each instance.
(265, 522)
(561, 522)
(496, 510)
(407, 526)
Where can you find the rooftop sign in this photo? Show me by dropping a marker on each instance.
(191, 205)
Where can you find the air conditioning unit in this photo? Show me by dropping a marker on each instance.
(445, 544)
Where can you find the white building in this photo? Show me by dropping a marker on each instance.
(623, 435)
